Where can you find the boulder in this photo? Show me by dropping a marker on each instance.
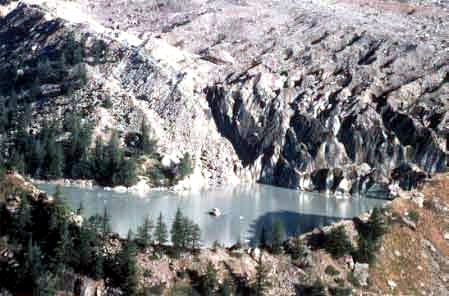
(349, 262)
(361, 273)
(391, 284)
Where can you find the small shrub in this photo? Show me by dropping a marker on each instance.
(330, 270)
(340, 291)
(107, 103)
(353, 280)
(296, 249)
(337, 242)
(317, 289)
(339, 281)
(414, 216)
(185, 166)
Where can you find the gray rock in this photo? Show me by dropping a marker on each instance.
(361, 273)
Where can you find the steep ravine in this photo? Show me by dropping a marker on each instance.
(310, 95)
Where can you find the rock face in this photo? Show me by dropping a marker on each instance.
(309, 95)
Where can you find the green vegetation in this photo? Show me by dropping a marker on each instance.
(261, 282)
(353, 279)
(316, 289)
(330, 270)
(277, 237)
(369, 238)
(340, 291)
(109, 165)
(144, 233)
(337, 242)
(48, 248)
(161, 233)
(185, 234)
(209, 282)
(147, 145)
(296, 249)
(107, 103)
(414, 216)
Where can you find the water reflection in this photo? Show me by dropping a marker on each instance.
(245, 208)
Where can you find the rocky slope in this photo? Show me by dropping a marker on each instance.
(348, 96)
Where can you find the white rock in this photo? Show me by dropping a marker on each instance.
(446, 236)
(215, 212)
(418, 198)
(391, 284)
(120, 189)
(361, 272)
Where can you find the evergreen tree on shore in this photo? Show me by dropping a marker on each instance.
(148, 145)
(177, 232)
(127, 261)
(144, 233)
(161, 233)
(277, 237)
(261, 282)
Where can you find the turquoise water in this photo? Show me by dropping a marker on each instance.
(245, 209)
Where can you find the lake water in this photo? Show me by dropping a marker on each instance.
(245, 209)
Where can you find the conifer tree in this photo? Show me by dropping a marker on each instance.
(209, 281)
(195, 236)
(338, 243)
(144, 233)
(376, 224)
(80, 210)
(263, 238)
(129, 269)
(98, 272)
(148, 145)
(261, 282)
(64, 248)
(106, 225)
(317, 289)
(227, 288)
(177, 232)
(161, 233)
(277, 237)
(33, 266)
(185, 166)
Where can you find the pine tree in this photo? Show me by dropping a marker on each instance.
(177, 232)
(64, 248)
(226, 288)
(161, 233)
(148, 145)
(129, 270)
(33, 266)
(185, 166)
(376, 224)
(85, 250)
(277, 237)
(263, 238)
(80, 210)
(144, 233)
(317, 289)
(261, 282)
(99, 263)
(209, 281)
(195, 236)
(106, 224)
(338, 243)
(60, 209)
(54, 158)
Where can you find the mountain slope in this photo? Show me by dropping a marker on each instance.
(347, 96)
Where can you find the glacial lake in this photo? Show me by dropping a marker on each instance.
(245, 209)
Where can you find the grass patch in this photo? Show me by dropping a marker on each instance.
(330, 270)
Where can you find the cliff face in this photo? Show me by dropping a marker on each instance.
(348, 97)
